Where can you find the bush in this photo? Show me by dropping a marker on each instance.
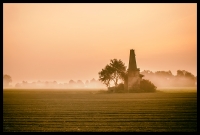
(147, 86)
(120, 88)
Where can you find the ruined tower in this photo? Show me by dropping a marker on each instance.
(134, 76)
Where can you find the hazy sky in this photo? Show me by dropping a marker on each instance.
(61, 42)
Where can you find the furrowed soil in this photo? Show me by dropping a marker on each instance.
(92, 111)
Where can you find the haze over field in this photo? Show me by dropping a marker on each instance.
(60, 42)
(88, 67)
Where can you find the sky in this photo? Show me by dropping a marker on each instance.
(69, 41)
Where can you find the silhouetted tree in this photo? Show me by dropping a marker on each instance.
(105, 75)
(119, 70)
(180, 73)
(189, 75)
(185, 78)
(6, 80)
(115, 71)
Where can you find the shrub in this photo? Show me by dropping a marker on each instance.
(147, 86)
(120, 87)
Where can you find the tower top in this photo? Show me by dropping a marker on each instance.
(132, 61)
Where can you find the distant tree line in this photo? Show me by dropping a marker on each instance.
(116, 72)
(53, 84)
(183, 78)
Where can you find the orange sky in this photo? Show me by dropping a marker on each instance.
(60, 42)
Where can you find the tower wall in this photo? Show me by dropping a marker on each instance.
(133, 81)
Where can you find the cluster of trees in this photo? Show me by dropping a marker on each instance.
(183, 78)
(53, 84)
(116, 72)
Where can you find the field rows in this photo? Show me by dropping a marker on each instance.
(64, 111)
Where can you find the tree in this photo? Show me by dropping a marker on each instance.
(72, 84)
(115, 71)
(185, 78)
(6, 80)
(164, 74)
(189, 75)
(80, 84)
(119, 70)
(105, 75)
(180, 73)
(162, 78)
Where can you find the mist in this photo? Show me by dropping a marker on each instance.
(161, 79)
(92, 84)
(165, 79)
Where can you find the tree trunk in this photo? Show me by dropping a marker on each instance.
(115, 86)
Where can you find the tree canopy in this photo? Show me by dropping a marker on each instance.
(114, 71)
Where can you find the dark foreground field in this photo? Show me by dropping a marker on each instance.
(64, 111)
